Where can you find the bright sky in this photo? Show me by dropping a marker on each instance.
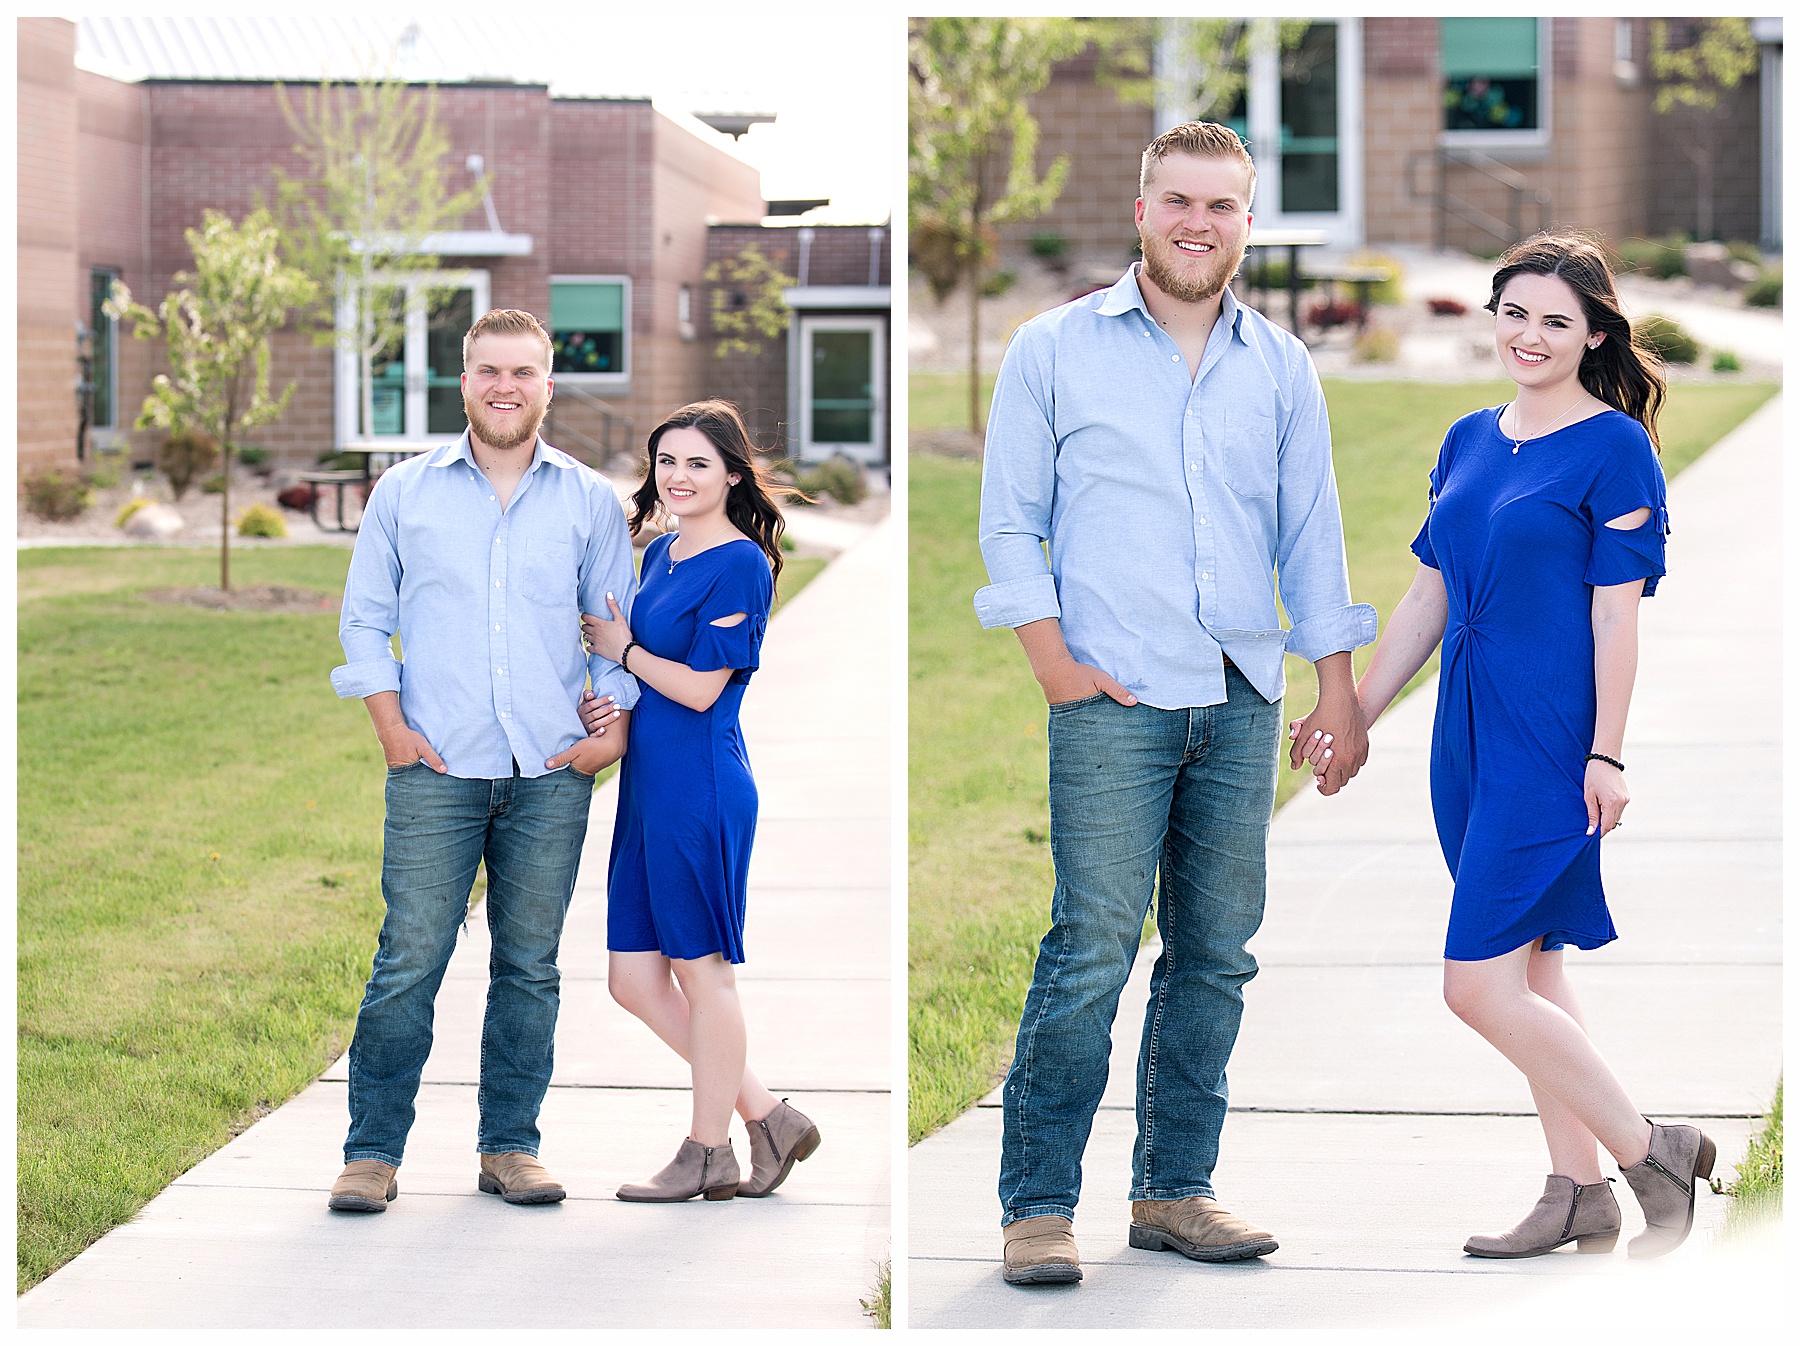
(834, 76)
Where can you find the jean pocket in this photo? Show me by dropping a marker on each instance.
(579, 774)
(410, 766)
(1078, 703)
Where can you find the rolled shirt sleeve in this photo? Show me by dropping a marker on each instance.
(1018, 490)
(606, 567)
(1313, 574)
(371, 610)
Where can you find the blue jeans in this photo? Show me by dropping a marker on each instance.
(1134, 789)
(439, 828)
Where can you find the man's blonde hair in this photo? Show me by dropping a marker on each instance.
(1203, 140)
(509, 322)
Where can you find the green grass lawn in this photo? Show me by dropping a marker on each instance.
(1759, 1182)
(199, 843)
(979, 819)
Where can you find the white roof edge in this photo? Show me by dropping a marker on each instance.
(838, 296)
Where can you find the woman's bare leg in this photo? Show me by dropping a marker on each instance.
(643, 984)
(1495, 998)
(715, 1042)
(1574, 1153)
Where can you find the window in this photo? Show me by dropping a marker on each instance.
(415, 383)
(1491, 69)
(102, 352)
(1309, 123)
(588, 328)
(842, 399)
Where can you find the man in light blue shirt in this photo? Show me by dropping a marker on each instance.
(481, 556)
(1170, 447)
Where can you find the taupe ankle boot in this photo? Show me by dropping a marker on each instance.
(1664, 1181)
(710, 1171)
(1567, 1211)
(777, 1143)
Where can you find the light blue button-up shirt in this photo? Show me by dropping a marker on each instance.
(487, 605)
(1170, 504)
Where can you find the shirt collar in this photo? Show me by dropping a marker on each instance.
(1126, 295)
(463, 452)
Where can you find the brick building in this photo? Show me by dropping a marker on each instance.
(1458, 132)
(597, 220)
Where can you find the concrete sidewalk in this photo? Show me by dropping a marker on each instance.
(244, 1239)
(1373, 1132)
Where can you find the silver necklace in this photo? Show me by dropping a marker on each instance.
(1553, 426)
(675, 560)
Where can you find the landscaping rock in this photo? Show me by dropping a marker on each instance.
(156, 522)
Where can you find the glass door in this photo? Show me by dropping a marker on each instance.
(842, 399)
(415, 382)
(1303, 113)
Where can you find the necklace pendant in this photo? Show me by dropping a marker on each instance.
(1515, 448)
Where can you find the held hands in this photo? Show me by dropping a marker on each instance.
(1334, 740)
(607, 637)
(1071, 681)
(1606, 796)
(600, 749)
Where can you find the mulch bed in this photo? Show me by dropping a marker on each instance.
(249, 598)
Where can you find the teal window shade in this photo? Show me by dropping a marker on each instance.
(587, 327)
(1490, 48)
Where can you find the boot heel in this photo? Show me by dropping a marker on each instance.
(721, 1193)
(808, 1143)
(1599, 1243)
(1708, 1153)
(486, 1184)
(1148, 1239)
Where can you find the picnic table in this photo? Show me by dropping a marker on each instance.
(339, 478)
(1293, 240)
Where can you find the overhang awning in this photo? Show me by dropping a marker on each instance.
(837, 296)
(467, 243)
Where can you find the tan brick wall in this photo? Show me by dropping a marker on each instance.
(50, 295)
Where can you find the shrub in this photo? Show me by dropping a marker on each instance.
(215, 484)
(261, 521)
(788, 543)
(1333, 313)
(1051, 247)
(1664, 258)
(1377, 346)
(130, 507)
(1446, 307)
(252, 455)
(1271, 273)
(1668, 338)
(297, 497)
(998, 283)
(1741, 251)
(838, 478)
(51, 495)
(185, 455)
(1765, 290)
(108, 467)
(1389, 291)
(1725, 362)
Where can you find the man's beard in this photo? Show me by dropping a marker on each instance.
(1159, 268)
(484, 429)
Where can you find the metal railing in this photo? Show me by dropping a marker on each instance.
(618, 434)
(1519, 191)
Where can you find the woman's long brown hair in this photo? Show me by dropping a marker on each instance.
(1621, 371)
(749, 505)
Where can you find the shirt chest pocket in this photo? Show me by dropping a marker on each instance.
(547, 576)
(1251, 451)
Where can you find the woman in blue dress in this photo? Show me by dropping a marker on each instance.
(1545, 528)
(687, 800)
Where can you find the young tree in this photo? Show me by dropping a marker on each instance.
(361, 221)
(972, 147)
(217, 327)
(747, 306)
(1693, 80)
(1200, 64)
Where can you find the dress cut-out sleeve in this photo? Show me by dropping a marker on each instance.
(743, 585)
(1421, 545)
(1630, 479)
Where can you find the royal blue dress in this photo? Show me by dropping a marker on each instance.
(1521, 542)
(687, 801)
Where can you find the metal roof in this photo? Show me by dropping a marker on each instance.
(224, 47)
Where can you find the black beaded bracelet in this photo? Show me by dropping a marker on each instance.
(1602, 757)
(631, 645)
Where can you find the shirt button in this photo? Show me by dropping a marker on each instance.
(1175, 357)
(1202, 524)
(497, 625)
(502, 671)
(1193, 467)
(1205, 575)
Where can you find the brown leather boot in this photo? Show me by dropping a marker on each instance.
(1197, 1227)
(366, 1185)
(1040, 1250)
(1568, 1211)
(710, 1171)
(777, 1143)
(1664, 1180)
(518, 1178)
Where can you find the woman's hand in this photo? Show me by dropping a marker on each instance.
(607, 637)
(1606, 796)
(597, 713)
